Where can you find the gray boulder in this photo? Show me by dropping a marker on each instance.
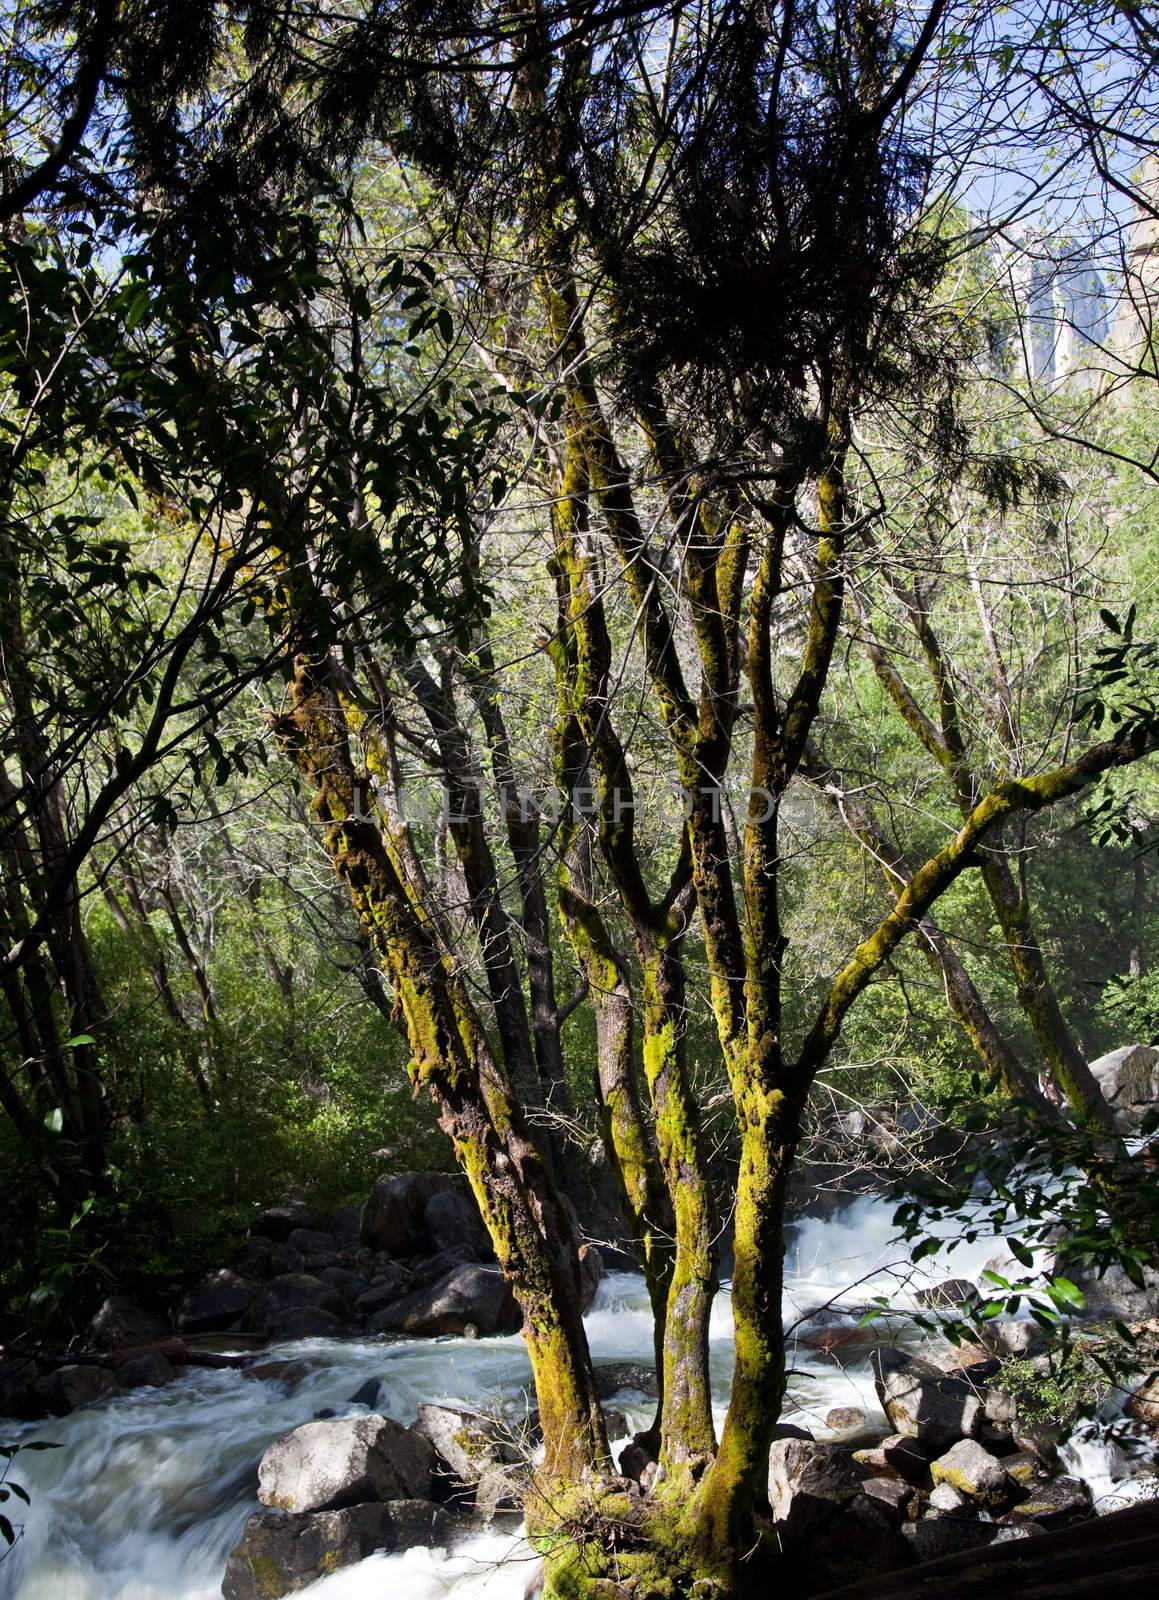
(612, 1377)
(974, 1473)
(303, 1322)
(486, 1467)
(325, 1465)
(266, 1258)
(148, 1371)
(953, 1292)
(1112, 1294)
(217, 1303)
(591, 1267)
(69, 1388)
(278, 1555)
(923, 1402)
(278, 1310)
(845, 1419)
(19, 1392)
(948, 1533)
(824, 1518)
(121, 1322)
(380, 1295)
(278, 1222)
(394, 1217)
(432, 1268)
(452, 1218)
(471, 1299)
(349, 1285)
(1053, 1503)
(1129, 1079)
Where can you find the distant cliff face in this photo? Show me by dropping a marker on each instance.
(1135, 313)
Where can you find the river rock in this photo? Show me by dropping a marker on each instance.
(921, 1401)
(452, 1217)
(1129, 1079)
(975, 1473)
(278, 1222)
(825, 1520)
(948, 1533)
(288, 1373)
(380, 1295)
(278, 1555)
(325, 1465)
(481, 1455)
(1053, 1503)
(953, 1292)
(898, 1457)
(946, 1498)
(470, 1299)
(217, 1303)
(394, 1217)
(613, 1377)
(346, 1225)
(1112, 1294)
(150, 1370)
(899, 1497)
(122, 1322)
(264, 1258)
(350, 1286)
(19, 1395)
(69, 1388)
(312, 1242)
(1144, 1402)
(845, 1419)
(284, 1323)
(591, 1267)
(435, 1267)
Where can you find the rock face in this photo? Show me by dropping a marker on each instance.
(1054, 1503)
(469, 1299)
(1112, 1294)
(326, 1465)
(278, 1555)
(923, 1402)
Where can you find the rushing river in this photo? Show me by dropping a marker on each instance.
(150, 1490)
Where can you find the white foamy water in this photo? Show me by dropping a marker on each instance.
(150, 1490)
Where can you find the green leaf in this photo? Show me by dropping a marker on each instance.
(1067, 1293)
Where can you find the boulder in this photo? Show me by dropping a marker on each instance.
(898, 1457)
(591, 1268)
(485, 1466)
(288, 1373)
(381, 1294)
(264, 1258)
(1112, 1294)
(1143, 1404)
(953, 1292)
(435, 1267)
(923, 1402)
(348, 1285)
(613, 1377)
(150, 1370)
(122, 1322)
(367, 1394)
(19, 1394)
(901, 1498)
(946, 1498)
(824, 1518)
(452, 1218)
(975, 1473)
(807, 1476)
(394, 1217)
(278, 1222)
(278, 1555)
(471, 1299)
(304, 1322)
(1129, 1079)
(69, 1388)
(324, 1465)
(217, 1303)
(312, 1242)
(1053, 1503)
(346, 1225)
(948, 1533)
(845, 1419)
